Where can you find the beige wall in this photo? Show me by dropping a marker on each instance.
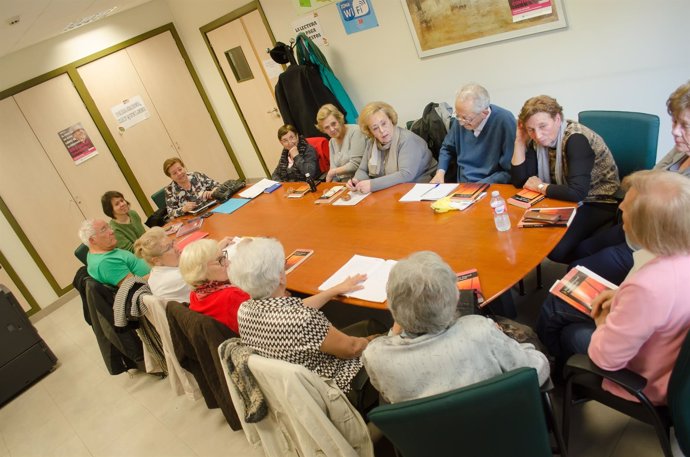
(618, 54)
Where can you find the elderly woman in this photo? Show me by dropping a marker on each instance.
(291, 328)
(204, 266)
(163, 255)
(610, 253)
(187, 190)
(297, 159)
(642, 325)
(431, 351)
(125, 222)
(392, 155)
(565, 160)
(346, 146)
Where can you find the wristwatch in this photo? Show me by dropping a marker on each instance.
(541, 187)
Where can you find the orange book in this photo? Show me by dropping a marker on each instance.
(579, 287)
(469, 280)
(547, 217)
(468, 190)
(525, 198)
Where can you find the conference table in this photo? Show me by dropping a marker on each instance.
(382, 226)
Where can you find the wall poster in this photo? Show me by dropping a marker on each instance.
(78, 143)
(440, 26)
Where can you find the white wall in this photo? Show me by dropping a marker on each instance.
(616, 54)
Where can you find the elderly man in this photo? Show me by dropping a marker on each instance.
(105, 263)
(481, 141)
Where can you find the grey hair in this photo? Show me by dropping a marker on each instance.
(422, 293)
(258, 266)
(86, 230)
(194, 260)
(150, 244)
(475, 93)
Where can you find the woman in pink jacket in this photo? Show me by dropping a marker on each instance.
(642, 325)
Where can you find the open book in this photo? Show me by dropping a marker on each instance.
(377, 271)
(579, 287)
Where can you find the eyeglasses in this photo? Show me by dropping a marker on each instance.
(223, 259)
(465, 121)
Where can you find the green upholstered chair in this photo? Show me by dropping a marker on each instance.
(81, 252)
(583, 382)
(158, 198)
(502, 416)
(632, 137)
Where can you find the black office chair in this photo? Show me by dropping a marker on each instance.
(81, 252)
(584, 382)
(502, 416)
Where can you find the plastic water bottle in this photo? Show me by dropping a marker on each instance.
(501, 218)
(310, 181)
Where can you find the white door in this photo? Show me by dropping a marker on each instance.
(256, 94)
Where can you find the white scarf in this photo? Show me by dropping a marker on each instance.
(380, 159)
(543, 169)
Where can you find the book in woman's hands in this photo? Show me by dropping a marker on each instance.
(579, 287)
(525, 198)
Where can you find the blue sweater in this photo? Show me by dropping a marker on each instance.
(485, 158)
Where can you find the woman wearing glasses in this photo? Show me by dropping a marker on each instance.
(163, 255)
(204, 266)
(565, 160)
(392, 155)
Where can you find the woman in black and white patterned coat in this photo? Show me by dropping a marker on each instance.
(290, 328)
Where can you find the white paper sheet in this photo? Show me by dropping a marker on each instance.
(377, 271)
(257, 188)
(428, 192)
(355, 197)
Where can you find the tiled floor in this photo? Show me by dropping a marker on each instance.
(80, 410)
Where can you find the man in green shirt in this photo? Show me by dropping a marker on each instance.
(106, 263)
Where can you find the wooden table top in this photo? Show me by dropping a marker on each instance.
(382, 226)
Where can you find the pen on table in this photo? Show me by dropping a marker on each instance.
(429, 190)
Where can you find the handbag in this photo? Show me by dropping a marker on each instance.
(228, 189)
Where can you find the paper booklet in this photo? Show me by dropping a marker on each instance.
(469, 190)
(257, 188)
(377, 271)
(547, 217)
(525, 198)
(579, 287)
(422, 192)
(469, 280)
(328, 196)
(350, 199)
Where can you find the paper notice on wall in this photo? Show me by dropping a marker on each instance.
(311, 27)
(527, 9)
(78, 143)
(357, 15)
(272, 69)
(130, 112)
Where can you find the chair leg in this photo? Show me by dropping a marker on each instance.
(567, 405)
(539, 283)
(548, 410)
(521, 287)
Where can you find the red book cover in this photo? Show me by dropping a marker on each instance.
(525, 198)
(183, 242)
(469, 280)
(579, 287)
(547, 217)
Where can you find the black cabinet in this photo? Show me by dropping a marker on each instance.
(24, 356)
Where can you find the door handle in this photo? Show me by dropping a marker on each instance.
(273, 111)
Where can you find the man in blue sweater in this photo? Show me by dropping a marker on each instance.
(481, 141)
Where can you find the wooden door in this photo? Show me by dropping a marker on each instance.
(37, 197)
(163, 72)
(54, 106)
(112, 80)
(256, 95)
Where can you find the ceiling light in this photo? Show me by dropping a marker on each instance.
(88, 19)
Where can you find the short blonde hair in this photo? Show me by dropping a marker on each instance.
(371, 108)
(539, 104)
(150, 244)
(658, 214)
(169, 163)
(194, 261)
(328, 110)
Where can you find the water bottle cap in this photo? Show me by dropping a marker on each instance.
(495, 193)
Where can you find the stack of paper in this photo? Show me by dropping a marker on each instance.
(257, 188)
(377, 271)
(428, 192)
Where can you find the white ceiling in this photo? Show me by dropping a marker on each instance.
(44, 19)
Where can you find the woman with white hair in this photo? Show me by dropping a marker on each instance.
(163, 255)
(641, 326)
(291, 328)
(429, 350)
(204, 266)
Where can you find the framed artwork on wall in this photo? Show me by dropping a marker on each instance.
(440, 26)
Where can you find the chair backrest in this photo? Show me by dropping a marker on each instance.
(158, 198)
(631, 137)
(502, 416)
(679, 396)
(321, 145)
(81, 253)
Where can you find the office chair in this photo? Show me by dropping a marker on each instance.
(322, 152)
(158, 198)
(502, 416)
(584, 383)
(81, 252)
(631, 137)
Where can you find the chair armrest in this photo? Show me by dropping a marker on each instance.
(629, 380)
